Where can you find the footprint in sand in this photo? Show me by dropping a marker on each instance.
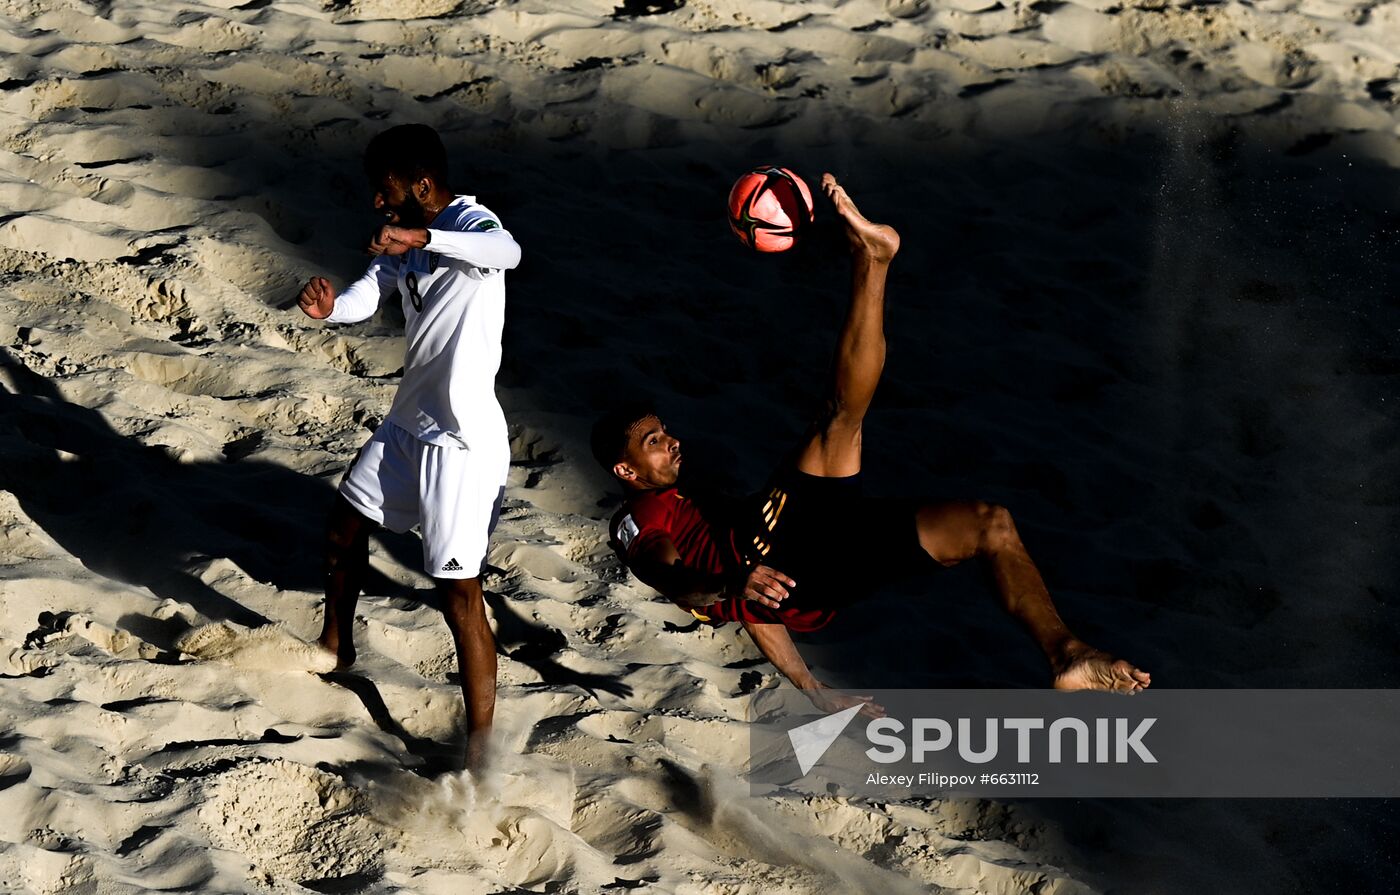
(17, 661)
(268, 648)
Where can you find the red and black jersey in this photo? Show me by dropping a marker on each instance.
(706, 542)
(703, 544)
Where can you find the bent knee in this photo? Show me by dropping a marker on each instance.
(461, 597)
(340, 555)
(998, 529)
(346, 540)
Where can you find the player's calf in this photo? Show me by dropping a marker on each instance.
(464, 607)
(346, 563)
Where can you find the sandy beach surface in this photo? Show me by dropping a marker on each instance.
(1147, 300)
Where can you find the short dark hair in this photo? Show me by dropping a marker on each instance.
(409, 152)
(609, 438)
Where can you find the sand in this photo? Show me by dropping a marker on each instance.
(1146, 300)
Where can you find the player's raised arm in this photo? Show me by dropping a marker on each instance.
(481, 242)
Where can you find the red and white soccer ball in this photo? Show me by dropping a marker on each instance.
(768, 207)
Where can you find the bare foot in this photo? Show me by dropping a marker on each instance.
(344, 655)
(879, 242)
(479, 751)
(1084, 668)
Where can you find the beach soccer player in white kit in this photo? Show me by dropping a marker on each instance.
(440, 458)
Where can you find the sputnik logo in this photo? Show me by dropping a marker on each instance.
(810, 741)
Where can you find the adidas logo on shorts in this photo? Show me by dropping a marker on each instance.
(452, 566)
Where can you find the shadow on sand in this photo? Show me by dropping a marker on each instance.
(131, 512)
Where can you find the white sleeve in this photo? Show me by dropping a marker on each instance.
(361, 299)
(477, 240)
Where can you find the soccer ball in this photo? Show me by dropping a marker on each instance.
(768, 207)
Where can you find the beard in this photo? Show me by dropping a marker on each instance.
(410, 213)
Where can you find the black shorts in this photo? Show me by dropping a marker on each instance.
(825, 534)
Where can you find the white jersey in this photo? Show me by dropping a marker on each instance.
(454, 298)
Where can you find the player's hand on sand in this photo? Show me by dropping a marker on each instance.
(829, 701)
(391, 240)
(768, 586)
(317, 298)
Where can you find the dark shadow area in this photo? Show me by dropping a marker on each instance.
(131, 512)
(1171, 349)
(534, 646)
(163, 634)
(437, 758)
(1169, 356)
(355, 882)
(692, 796)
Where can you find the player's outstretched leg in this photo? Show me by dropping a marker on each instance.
(955, 531)
(347, 562)
(833, 446)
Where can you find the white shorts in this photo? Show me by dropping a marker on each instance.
(454, 494)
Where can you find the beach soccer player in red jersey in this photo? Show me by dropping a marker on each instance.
(785, 559)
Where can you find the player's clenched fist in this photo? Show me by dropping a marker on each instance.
(391, 240)
(317, 298)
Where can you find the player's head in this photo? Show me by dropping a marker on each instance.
(632, 443)
(405, 165)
